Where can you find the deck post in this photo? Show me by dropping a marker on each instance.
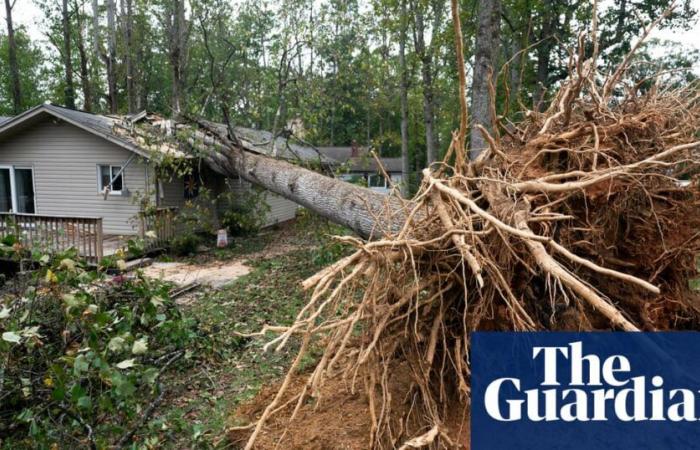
(98, 241)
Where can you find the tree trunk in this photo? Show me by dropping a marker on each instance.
(128, 13)
(129, 55)
(96, 53)
(544, 52)
(84, 70)
(362, 210)
(426, 58)
(405, 163)
(486, 57)
(111, 59)
(177, 34)
(14, 69)
(69, 92)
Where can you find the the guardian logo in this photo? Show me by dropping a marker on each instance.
(572, 391)
(592, 381)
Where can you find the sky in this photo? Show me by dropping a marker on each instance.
(28, 14)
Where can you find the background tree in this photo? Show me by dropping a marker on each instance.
(12, 59)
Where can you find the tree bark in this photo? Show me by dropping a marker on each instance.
(426, 58)
(362, 210)
(405, 163)
(544, 53)
(14, 69)
(486, 57)
(177, 35)
(129, 54)
(69, 91)
(96, 52)
(84, 70)
(111, 57)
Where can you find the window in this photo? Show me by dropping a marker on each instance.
(377, 181)
(17, 189)
(353, 178)
(107, 173)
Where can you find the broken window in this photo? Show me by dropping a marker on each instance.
(109, 173)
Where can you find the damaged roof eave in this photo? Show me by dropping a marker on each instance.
(32, 113)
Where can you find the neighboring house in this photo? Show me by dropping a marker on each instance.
(360, 166)
(55, 164)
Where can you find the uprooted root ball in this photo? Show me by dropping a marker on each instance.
(572, 219)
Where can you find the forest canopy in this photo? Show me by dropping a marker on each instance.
(333, 71)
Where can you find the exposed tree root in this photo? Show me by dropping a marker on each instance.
(574, 219)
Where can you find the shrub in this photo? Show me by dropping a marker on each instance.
(81, 354)
(185, 243)
(245, 211)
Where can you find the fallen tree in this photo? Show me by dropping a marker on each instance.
(572, 219)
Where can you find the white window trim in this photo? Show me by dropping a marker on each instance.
(100, 188)
(13, 187)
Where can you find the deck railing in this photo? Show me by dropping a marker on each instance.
(55, 233)
(161, 222)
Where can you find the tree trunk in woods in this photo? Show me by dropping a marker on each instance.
(514, 70)
(14, 69)
(96, 52)
(111, 57)
(69, 91)
(84, 70)
(426, 58)
(486, 57)
(129, 55)
(405, 163)
(177, 31)
(544, 52)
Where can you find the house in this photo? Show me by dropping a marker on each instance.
(359, 166)
(81, 178)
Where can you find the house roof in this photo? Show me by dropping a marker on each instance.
(4, 119)
(116, 130)
(102, 126)
(369, 164)
(362, 163)
(340, 154)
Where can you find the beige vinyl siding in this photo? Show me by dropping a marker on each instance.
(281, 209)
(173, 192)
(65, 160)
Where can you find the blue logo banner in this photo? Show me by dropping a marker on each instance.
(575, 391)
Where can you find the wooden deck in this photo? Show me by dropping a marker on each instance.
(54, 234)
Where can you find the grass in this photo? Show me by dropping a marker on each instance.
(199, 402)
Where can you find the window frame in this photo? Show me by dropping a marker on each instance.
(13, 186)
(101, 186)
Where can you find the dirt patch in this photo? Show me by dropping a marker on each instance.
(340, 419)
(214, 274)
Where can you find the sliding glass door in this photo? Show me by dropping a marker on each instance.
(17, 189)
(24, 190)
(5, 189)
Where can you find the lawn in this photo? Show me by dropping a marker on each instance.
(231, 369)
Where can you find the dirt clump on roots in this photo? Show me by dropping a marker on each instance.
(339, 421)
(573, 218)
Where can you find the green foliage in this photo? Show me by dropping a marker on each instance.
(31, 70)
(82, 354)
(185, 244)
(326, 250)
(245, 210)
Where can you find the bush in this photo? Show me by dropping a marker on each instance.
(81, 354)
(185, 244)
(245, 211)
